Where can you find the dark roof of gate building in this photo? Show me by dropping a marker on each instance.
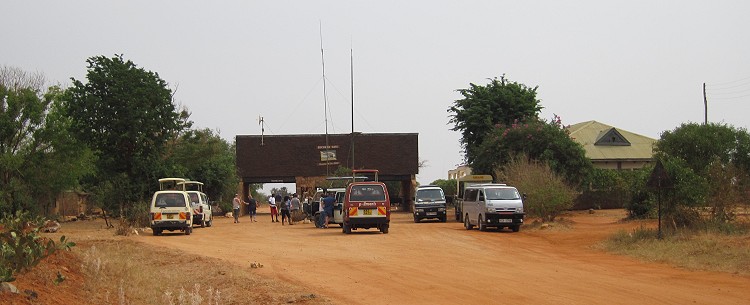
(306, 155)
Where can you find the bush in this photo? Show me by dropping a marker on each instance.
(548, 193)
(138, 215)
(21, 246)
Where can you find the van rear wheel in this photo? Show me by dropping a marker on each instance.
(384, 229)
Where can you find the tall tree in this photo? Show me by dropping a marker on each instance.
(126, 115)
(38, 157)
(482, 107)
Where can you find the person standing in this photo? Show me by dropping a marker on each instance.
(272, 206)
(252, 206)
(236, 208)
(285, 210)
(321, 212)
(328, 208)
(295, 206)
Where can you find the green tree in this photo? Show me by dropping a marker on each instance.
(482, 107)
(202, 155)
(126, 115)
(449, 186)
(700, 144)
(38, 157)
(538, 140)
(709, 164)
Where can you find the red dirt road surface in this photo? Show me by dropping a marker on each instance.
(442, 263)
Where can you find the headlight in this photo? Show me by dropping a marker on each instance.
(419, 210)
(519, 210)
(441, 209)
(491, 209)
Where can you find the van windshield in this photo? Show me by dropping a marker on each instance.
(502, 194)
(367, 193)
(429, 195)
(170, 200)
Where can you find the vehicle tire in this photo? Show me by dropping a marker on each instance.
(203, 223)
(156, 232)
(458, 218)
(516, 228)
(416, 220)
(341, 225)
(384, 229)
(444, 218)
(210, 223)
(347, 229)
(467, 225)
(481, 224)
(188, 230)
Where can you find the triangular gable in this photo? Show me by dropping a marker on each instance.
(611, 137)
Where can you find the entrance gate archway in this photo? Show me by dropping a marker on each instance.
(307, 160)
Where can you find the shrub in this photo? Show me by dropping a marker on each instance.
(548, 192)
(21, 246)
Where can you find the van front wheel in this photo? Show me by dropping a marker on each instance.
(467, 225)
(481, 224)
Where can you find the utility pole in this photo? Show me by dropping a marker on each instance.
(705, 106)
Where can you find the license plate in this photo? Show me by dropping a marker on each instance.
(431, 213)
(504, 220)
(170, 216)
(367, 211)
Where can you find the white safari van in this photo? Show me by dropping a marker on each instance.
(170, 207)
(493, 205)
(202, 213)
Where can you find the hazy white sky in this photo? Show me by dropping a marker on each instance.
(636, 65)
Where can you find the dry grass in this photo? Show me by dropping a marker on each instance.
(126, 272)
(705, 250)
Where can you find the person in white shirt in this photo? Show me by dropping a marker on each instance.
(274, 209)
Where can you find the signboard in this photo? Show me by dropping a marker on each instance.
(327, 155)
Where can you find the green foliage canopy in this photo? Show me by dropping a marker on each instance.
(126, 115)
(482, 107)
(38, 157)
(538, 140)
(202, 155)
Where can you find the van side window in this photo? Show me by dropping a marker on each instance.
(481, 195)
(470, 194)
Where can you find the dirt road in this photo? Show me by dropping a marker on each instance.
(442, 263)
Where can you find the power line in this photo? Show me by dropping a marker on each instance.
(730, 82)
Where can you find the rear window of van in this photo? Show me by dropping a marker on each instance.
(367, 193)
(170, 200)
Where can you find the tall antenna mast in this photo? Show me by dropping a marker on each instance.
(325, 97)
(351, 65)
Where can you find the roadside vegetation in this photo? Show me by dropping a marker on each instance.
(726, 250)
(706, 171)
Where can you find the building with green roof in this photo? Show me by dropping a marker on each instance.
(612, 148)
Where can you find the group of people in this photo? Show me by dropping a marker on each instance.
(288, 205)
